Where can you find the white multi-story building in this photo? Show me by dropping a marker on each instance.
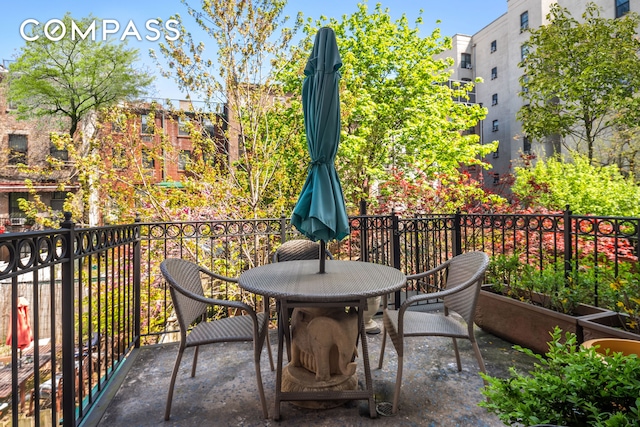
(494, 53)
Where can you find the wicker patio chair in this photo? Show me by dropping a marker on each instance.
(191, 305)
(299, 249)
(296, 250)
(463, 276)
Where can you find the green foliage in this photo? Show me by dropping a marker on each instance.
(71, 78)
(545, 286)
(623, 296)
(596, 190)
(580, 78)
(265, 167)
(398, 113)
(569, 386)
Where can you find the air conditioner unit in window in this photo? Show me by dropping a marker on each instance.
(18, 221)
(469, 66)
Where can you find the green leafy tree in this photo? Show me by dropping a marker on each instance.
(598, 190)
(73, 78)
(581, 78)
(398, 110)
(263, 141)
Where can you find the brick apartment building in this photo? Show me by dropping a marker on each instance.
(28, 142)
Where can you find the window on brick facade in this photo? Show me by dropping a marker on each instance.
(524, 21)
(148, 162)
(57, 200)
(14, 204)
(17, 149)
(183, 159)
(118, 158)
(145, 125)
(183, 128)
(59, 154)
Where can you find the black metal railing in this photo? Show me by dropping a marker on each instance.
(97, 293)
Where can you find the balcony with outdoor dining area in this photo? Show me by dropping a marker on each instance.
(110, 318)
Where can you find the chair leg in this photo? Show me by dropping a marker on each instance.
(455, 348)
(256, 358)
(396, 393)
(195, 361)
(269, 350)
(167, 412)
(382, 346)
(476, 350)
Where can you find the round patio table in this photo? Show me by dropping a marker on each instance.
(344, 284)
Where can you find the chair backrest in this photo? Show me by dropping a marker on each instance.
(298, 249)
(183, 276)
(470, 266)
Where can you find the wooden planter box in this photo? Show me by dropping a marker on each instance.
(523, 323)
(604, 325)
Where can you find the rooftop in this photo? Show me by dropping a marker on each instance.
(223, 391)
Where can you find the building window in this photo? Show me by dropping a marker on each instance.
(524, 51)
(524, 21)
(496, 179)
(57, 200)
(17, 149)
(14, 204)
(494, 73)
(494, 127)
(148, 162)
(622, 8)
(496, 153)
(59, 154)
(183, 158)
(183, 128)
(526, 145)
(494, 46)
(118, 158)
(494, 99)
(465, 60)
(145, 126)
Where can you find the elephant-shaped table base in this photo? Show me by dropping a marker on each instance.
(323, 348)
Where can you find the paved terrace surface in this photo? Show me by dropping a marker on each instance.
(223, 392)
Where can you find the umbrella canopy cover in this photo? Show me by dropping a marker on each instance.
(25, 335)
(320, 213)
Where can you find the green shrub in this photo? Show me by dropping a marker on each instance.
(569, 386)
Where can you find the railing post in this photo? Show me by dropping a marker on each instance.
(395, 250)
(68, 333)
(283, 230)
(457, 233)
(568, 225)
(364, 228)
(136, 281)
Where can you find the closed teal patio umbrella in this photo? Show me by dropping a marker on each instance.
(320, 213)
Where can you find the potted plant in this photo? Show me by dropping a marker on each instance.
(569, 386)
(524, 303)
(622, 296)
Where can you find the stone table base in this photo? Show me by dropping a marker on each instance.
(298, 379)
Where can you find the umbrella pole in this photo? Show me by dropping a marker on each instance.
(322, 257)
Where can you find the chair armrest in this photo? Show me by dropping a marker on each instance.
(431, 272)
(213, 301)
(218, 276)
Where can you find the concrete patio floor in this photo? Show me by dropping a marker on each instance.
(223, 392)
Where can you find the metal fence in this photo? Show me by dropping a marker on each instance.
(95, 294)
